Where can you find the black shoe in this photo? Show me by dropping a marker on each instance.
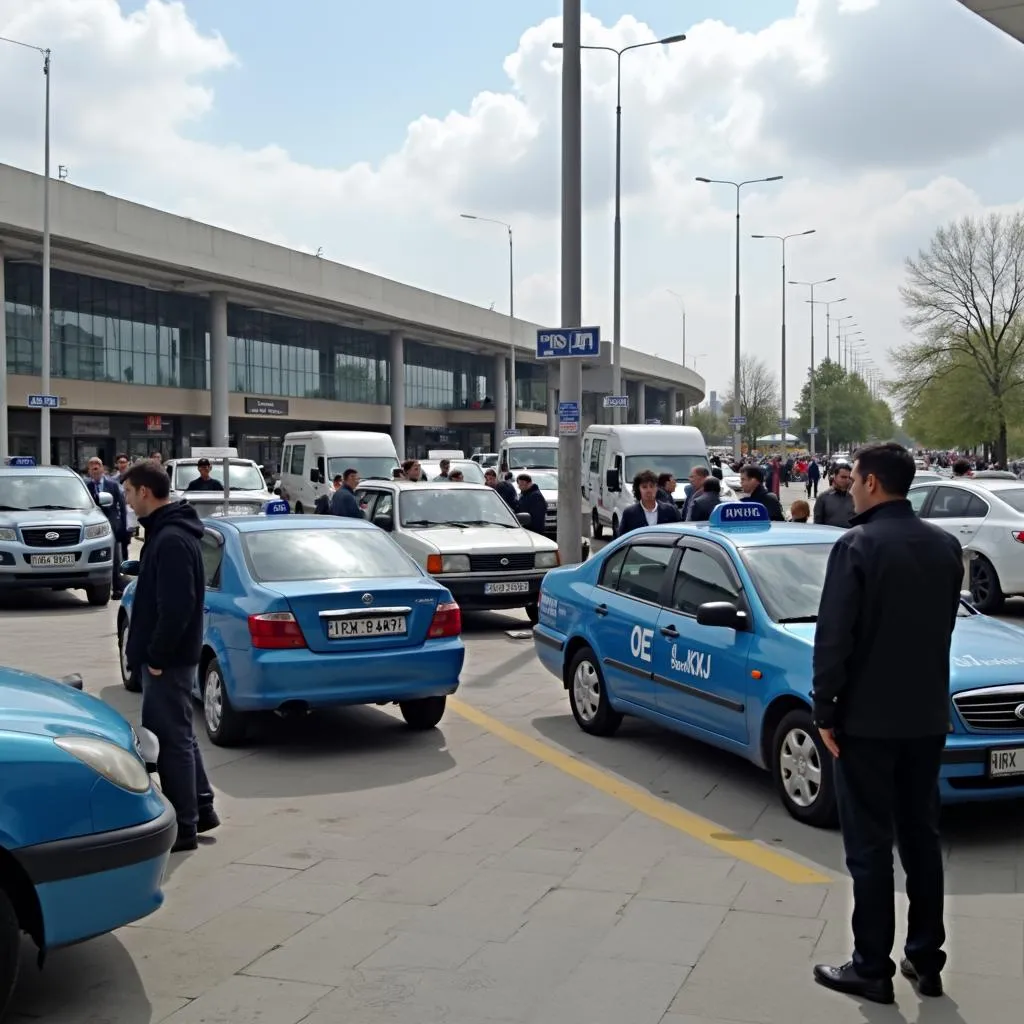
(845, 979)
(926, 984)
(184, 843)
(208, 820)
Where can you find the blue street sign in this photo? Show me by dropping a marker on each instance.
(784, 424)
(738, 421)
(43, 401)
(569, 342)
(814, 430)
(616, 401)
(20, 461)
(509, 432)
(277, 507)
(568, 419)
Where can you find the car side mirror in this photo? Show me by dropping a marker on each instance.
(106, 499)
(385, 523)
(723, 614)
(525, 519)
(130, 567)
(612, 481)
(149, 747)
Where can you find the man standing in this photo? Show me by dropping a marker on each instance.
(99, 483)
(752, 484)
(532, 502)
(704, 504)
(835, 506)
(882, 707)
(697, 477)
(504, 488)
(648, 511)
(205, 482)
(165, 640)
(344, 501)
(813, 477)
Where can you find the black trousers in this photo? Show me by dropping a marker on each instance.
(889, 790)
(812, 486)
(167, 713)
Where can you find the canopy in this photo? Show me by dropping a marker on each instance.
(777, 439)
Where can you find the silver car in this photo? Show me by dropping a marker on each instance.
(53, 536)
(247, 494)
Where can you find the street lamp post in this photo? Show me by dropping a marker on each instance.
(511, 314)
(828, 325)
(736, 403)
(812, 285)
(617, 255)
(44, 414)
(783, 423)
(682, 309)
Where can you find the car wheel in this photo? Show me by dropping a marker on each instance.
(596, 528)
(129, 677)
(424, 713)
(986, 593)
(10, 950)
(225, 726)
(588, 696)
(802, 767)
(98, 596)
(532, 612)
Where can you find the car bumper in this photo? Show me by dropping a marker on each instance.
(965, 774)
(550, 648)
(89, 885)
(266, 680)
(92, 564)
(470, 592)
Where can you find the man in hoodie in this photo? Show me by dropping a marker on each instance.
(165, 641)
(532, 502)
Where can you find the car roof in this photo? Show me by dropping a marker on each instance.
(261, 524)
(419, 485)
(38, 471)
(991, 484)
(776, 535)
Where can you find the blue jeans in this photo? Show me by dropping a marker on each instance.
(167, 713)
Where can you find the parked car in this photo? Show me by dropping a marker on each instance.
(471, 471)
(247, 487)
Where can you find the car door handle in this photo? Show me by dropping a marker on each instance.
(670, 631)
(601, 609)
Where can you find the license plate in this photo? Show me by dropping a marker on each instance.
(366, 625)
(51, 560)
(520, 587)
(1002, 763)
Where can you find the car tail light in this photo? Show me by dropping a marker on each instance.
(434, 564)
(1018, 536)
(275, 631)
(447, 621)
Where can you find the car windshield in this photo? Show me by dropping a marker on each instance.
(454, 506)
(521, 457)
(243, 476)
(678, 465)
(43, 491)
(369, 467)
(545, 481)
(280, 556)
(471, 471)
(1013, 496)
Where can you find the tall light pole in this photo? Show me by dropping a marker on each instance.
(44, 414)
(847, 346)
(812, 285)
(828, 325)
(682, 309)
(737, 404)
(617, 257)
(511, 313)
(783, 422)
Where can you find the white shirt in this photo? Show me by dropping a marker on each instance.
(652, 514)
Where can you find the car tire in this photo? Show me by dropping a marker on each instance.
(588, 696)
(595, 525)
(532, 613)
(130, 678)
(10, 950)
(986, 593)
(424, 713)
(225, 726)
(99, 595)
(802, 767)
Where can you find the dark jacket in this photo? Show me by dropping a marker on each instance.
(211, 483)
(834, 508)
(890, 576)
(345, 503)
(703, 505)
(662, 495)
(532, 502)
(635, 518)
(765, 497)
(117, 514)
(813, 471)
(167, 614)
(508, 493)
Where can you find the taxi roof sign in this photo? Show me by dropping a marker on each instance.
(277, 507)
(735, 514)
(20, 461)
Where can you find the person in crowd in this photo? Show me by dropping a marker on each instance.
(813, 477)
(503, 487)
(323, 503)
(121, 464)
(456, 476)
(165, 642)
(799, 511)
(205, 481)
(961, 469)
(752, 485)
(413, 470)
(696, 478)
(882, 709)
(666, 487)
(532, 502)
(99, 483)
(157, 457)
(835, 506)
(647, 511)
(704, 504)
(344, 501)
(398, 473)
(444, 465)
(775, 476)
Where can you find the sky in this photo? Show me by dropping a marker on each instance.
(365, 129)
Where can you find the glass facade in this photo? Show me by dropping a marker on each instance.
(531, 386)
(440, 378)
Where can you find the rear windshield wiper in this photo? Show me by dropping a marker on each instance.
(798, 618)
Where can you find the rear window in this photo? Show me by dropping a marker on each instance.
(281, 556)
(1013, 496)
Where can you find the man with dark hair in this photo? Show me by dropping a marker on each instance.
(344, 501)
(165, 641)
(648, 511)
(504, 488)
(752, 483)
(532, 502)
(961, 468)
(704, 504)
(835, 506)
(205, 482)
(882, 708)
(697, 477)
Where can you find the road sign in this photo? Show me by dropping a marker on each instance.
(784, 424)
(569, 342)
(20, 461)
(814, 430)
(510, 432)
(568, 419)
(616, 401)
(43, 401)
(738, 421)
(654, 423)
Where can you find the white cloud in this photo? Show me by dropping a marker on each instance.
(863, 104)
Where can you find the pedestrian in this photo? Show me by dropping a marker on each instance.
(799, 511)
(532, 502)
(205, 482)
(117, 515)
(444, 465)
(882, 708)
(413, 471)
(344, 501)
(503, 487)
(835, 506)
(322, 506)
(813, 477)
(961, 469)
(456, 477)
(165, 640)
(775, 476)
(647, 511)
(704, 504)
(698, 474)
(666, 487)
(752, 485)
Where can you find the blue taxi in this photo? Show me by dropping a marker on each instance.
(708, 629)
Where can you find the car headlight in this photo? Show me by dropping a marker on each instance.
(6, 533)
(114, 763)
(545, 559)
(97, 530)
(455, 563)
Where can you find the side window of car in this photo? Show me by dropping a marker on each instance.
(977, 508)
(286, 459)
(955, 503)
(366, 501)
(701, 578)
(212, 547)
(321, 467)
(595, 456)
(385, 505)
(612, 568)
(917, 497)
(299, 459)
(643, 571)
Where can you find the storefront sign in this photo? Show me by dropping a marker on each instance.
(90, 426)
(154, 423)
(266, 407)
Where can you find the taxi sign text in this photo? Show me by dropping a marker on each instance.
(276, 508)
(739, 513)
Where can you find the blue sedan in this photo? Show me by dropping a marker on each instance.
(307, 612)
(708, 629)
(84, 833)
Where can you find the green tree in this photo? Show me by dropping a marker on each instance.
(846, 414)
(759, 400)
(713, 425)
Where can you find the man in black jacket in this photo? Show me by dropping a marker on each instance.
(704, 504)
(648, 511)
(504, 488)
(882, 708)
(752, 482)
(835, 506)
(165, 640)
(532, 502)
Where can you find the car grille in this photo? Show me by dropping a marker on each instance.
(492, 563)
(992, 709)
(51, 536)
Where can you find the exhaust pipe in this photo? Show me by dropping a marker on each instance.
(293, 709)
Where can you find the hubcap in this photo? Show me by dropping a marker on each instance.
(586, 691)
(213, 700)
(800, 766)
(125, 671)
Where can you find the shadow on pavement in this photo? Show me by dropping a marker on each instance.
(24, 603)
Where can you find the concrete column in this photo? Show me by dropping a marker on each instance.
(670, 411)
(397, 378)
(641, 402)
(552, 427)
(4, 426)
(219, 384)
(500, 399)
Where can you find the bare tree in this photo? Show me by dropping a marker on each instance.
(964, 297)
(759, 399)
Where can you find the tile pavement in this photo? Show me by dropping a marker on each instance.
(367, 875)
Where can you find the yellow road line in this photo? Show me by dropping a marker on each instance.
(749, 850)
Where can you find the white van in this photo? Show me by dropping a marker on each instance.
(613, 455)
(526, 452)
(313, 458)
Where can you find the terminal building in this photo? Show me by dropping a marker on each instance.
(168, 333)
